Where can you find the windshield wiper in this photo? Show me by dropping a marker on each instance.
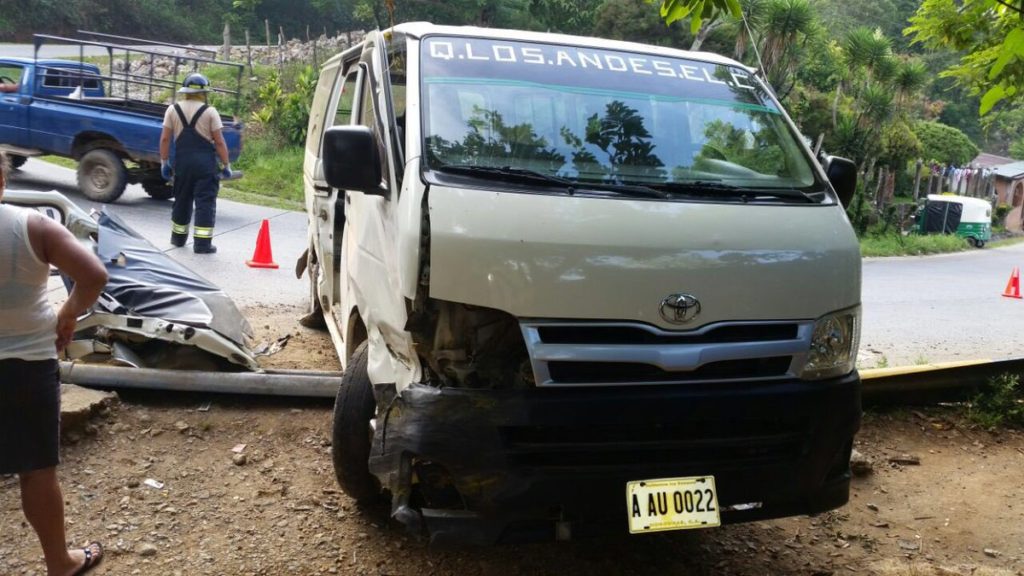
(507, 171)
(571, 186)
(713, 188)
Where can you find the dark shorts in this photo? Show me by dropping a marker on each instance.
(29, 415)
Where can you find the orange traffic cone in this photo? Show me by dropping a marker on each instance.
(263, 257)
(1013, 286)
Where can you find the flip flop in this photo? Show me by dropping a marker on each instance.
(91, 560)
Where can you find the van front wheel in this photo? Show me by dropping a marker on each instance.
(352, 435)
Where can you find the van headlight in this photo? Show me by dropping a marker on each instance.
(834, 343)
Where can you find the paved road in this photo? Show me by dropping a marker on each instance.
(916, 309)
(235, 236)
(940, 308)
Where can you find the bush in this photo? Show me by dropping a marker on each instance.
(944, 144)
(1000, 403)
(999, 214)
(286, 113)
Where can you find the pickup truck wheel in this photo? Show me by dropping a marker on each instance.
(352, 434)
(158, 189)
(101, 175)
(17, 161)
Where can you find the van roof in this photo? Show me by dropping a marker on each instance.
(421, 29)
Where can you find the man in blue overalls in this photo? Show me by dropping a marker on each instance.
(196, 130)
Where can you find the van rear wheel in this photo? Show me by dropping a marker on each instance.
(101, 175)
(352, 433)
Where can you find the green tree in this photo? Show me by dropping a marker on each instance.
(697, 10)
(990, 36)
(565, 16)
(899, 144)
(944, 143)
(634, 21)
(1017, 149)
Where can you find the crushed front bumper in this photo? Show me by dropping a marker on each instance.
(486, 466)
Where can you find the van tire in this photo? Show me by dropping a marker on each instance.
(352, 435)
(16, 160)
(102, 176)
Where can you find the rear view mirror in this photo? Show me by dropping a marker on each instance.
(351, 160)
(842, 173)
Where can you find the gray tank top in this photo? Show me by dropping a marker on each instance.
(27, 321)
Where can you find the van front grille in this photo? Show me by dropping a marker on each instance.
(603, 354)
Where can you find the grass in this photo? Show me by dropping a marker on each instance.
(61, 161)
(912, 245)
(272, 169)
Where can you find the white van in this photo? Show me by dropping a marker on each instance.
(577, 285)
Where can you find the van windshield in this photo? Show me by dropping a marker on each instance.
(603, 117)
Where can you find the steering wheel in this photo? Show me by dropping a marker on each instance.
(7, 80)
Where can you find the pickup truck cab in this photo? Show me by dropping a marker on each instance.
(63, 108)
(577, 285)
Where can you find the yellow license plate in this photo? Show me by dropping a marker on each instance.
(672, 504)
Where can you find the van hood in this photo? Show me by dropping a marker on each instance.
(588, 258)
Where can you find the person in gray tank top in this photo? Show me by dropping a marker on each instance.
(31, 336)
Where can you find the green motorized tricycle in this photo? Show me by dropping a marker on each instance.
(969, 218)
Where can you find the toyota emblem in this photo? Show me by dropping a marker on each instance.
(679, 308)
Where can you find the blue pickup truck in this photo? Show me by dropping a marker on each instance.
(64, 108)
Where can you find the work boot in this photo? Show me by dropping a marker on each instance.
(178, 239)
(204, 246)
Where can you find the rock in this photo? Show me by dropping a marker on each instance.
(905, 460)
(181, 426)
(909, 545)
(860, 464)
(239, 459)
(147, 550)
(78, 404)
(873, 507)
(991, 552)
(132, 483)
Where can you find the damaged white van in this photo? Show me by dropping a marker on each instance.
(577, 285)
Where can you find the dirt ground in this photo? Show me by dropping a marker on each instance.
(205, 484)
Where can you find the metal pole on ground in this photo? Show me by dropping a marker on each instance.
(291, 383)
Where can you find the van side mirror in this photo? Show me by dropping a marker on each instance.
(351, 160)
(842, 173)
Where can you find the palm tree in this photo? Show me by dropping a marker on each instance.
(911, 77)
(863, 49)
(777, 29)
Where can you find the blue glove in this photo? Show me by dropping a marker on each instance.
(226, 173)
(165, 170)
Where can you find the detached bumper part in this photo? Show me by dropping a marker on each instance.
(484, 466)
